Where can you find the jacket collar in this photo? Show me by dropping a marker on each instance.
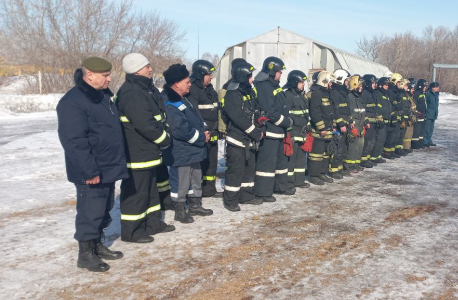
(142, 81)
(92, 94)
(171, 94)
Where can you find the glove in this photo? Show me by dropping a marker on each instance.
(263, 120)
(355, 133)
(307, 146)
(419, 114)
(288, 145)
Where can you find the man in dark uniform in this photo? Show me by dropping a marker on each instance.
(271, 162)
(145, 133)
(405, 116)
(204, 96)
(339, 93)
(90, 133)
(432, 110)
(420, 101)
(383, 119)
(394, 125)
(240, 112)
(299, 113)
(322, 119)
(372, 110)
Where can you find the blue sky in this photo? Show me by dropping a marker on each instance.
(337, 23)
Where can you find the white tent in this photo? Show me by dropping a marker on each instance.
(298, 52)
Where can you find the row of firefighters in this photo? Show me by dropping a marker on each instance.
(273, 135)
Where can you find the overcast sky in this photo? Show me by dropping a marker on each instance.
(337, 23)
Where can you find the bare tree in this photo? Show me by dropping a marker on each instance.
(370, 47)
(56, 35)
(213, 58)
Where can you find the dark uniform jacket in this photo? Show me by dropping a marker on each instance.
(339, 98)
(321, 113)
(240, 108)
(357, 109)
(206, 99)
(90, 133)
(272, 101)
(143, 120)
(298, 107)
(384, 104)
(432, 101)
(405, 104)
(371, 105)
(186, 128)
(395, 101)
(420, 100)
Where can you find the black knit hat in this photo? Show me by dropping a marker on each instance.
(175, 73)
(433, 84)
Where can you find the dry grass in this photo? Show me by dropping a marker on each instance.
(409, 212)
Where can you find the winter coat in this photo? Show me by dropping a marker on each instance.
(432, 108)
(358, 112)
(143, 120)
(339, 95)
(90, 133)
(371, 105)
(420, 100)
(298, 107)
(240, 109)
(206, 99)
(186, 129)
(405, 104)
(271, 100)
(321, 113)
(395, 101)
(384, 104)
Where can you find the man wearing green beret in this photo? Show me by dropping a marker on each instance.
(90, 133)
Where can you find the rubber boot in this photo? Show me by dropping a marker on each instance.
(104, 252)
(180, 213)
(267, 198)
(195, 207)
(366, 164)
(326, 178)
(316, 180)
(87, 258)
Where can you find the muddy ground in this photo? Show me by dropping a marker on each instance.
(385, 233)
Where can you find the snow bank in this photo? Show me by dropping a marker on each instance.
(29, 103)
(447, 97)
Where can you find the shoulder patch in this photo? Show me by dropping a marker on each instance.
(180, 105)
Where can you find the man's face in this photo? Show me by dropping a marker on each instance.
(146, 71)
(278, 75)
(208, 79)
(98, 81)
(300, 85)
(360, 88)
(406, 87)
(374, 85)
(385, 86)
(435, 89)
(182, 87)
(250, 80)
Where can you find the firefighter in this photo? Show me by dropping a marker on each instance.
(420, 101)
(271, 161)
(383, 120)
(204, 96)
(410, 88)
(314, 86)
(299, 113)
(357, 124)
(144, 130)
(372, 110)
(339, 93)
(239, 110)
(322, 119)
(394, 125)
(405, 116)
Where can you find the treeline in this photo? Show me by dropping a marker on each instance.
(414, 56)
(54, 36)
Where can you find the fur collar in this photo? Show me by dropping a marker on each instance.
(92, 94)
(171, 94)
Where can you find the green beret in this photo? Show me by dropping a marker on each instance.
(97, 64)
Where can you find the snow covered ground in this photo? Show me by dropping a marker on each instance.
(386, 233)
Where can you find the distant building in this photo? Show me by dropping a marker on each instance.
(298, 52)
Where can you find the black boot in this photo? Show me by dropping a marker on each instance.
(180, 213)
(366, 164)
(104, 252)
(87, 258)
(336, 175)
(267, 198)
(316, 180)
(326, 178)
(196, 209)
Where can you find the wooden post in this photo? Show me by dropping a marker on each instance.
(39, 82)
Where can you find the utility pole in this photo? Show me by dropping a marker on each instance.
(198, 41)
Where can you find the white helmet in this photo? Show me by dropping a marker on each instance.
(324, 78)
(341, 76)
(388, 74)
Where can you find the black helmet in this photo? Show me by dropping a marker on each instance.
(236, 61)
(294, 77)
(241, 72)
(272, 65)
(201, 67)
(421, 83)
(368, 80)
(382, 81)
(411, 79)
(412, 84)
(315, 77)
